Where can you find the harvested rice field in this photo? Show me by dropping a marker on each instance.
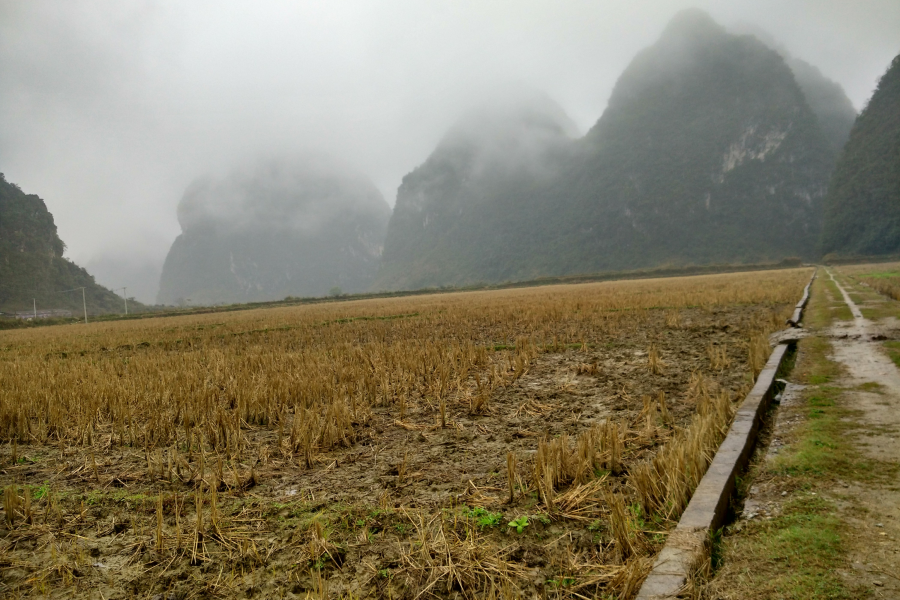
(526, 443)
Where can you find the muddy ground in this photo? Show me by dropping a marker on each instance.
(350, 524)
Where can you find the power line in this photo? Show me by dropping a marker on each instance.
(83, 301)
(36, 291)
(72, 290)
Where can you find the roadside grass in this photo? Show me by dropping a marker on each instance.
(893, 351)
(820, 452)
(829, 305)
(881, 275)
(884, 308)
(796, 554)
(855, 293)
(880, 311)
(792, 556)
(858, 292)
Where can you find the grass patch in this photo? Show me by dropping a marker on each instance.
(815, 369)
(795, 554)
(873, 295)
(825, 300)
(893, 351)
(820, 449)
(870, 386)
(858, 298)
(837, 309)
(881, 275)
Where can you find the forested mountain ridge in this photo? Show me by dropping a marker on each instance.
(32, 268)
(301, 228)
(862, 210)
(707, 152)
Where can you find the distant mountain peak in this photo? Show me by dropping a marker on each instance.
(504, 112)
(692, 24)
(488, 160)
(275, 228)
(825, 97)
(706, 152)
(33, 272)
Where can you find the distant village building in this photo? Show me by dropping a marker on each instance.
(49, 313)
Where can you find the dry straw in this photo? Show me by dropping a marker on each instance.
(665, 484)
(208, 403)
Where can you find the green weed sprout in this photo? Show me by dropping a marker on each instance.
(520, 523)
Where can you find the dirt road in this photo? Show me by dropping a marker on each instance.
(821, 518)
(873, 511)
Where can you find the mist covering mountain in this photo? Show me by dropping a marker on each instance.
(471, 207)
(862, 210)
(282, 228)
(715, 147)
(33, 271)
(827, 100)
(825, 97)
(707, 152)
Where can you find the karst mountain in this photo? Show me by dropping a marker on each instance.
(862, 209)
(308, 226)
(471, 211)
(709, 151)
(33, 272)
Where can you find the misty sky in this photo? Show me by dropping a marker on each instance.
(108, 110)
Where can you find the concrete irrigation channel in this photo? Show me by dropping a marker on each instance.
(688, 545)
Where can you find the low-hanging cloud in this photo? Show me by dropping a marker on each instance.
(301, 194)
(111, 108)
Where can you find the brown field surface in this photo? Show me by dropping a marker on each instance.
(526, 443)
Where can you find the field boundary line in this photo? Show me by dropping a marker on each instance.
(688, 545)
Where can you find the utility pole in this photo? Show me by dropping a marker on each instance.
(125, 295)
(34, 300)
(84, 304)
